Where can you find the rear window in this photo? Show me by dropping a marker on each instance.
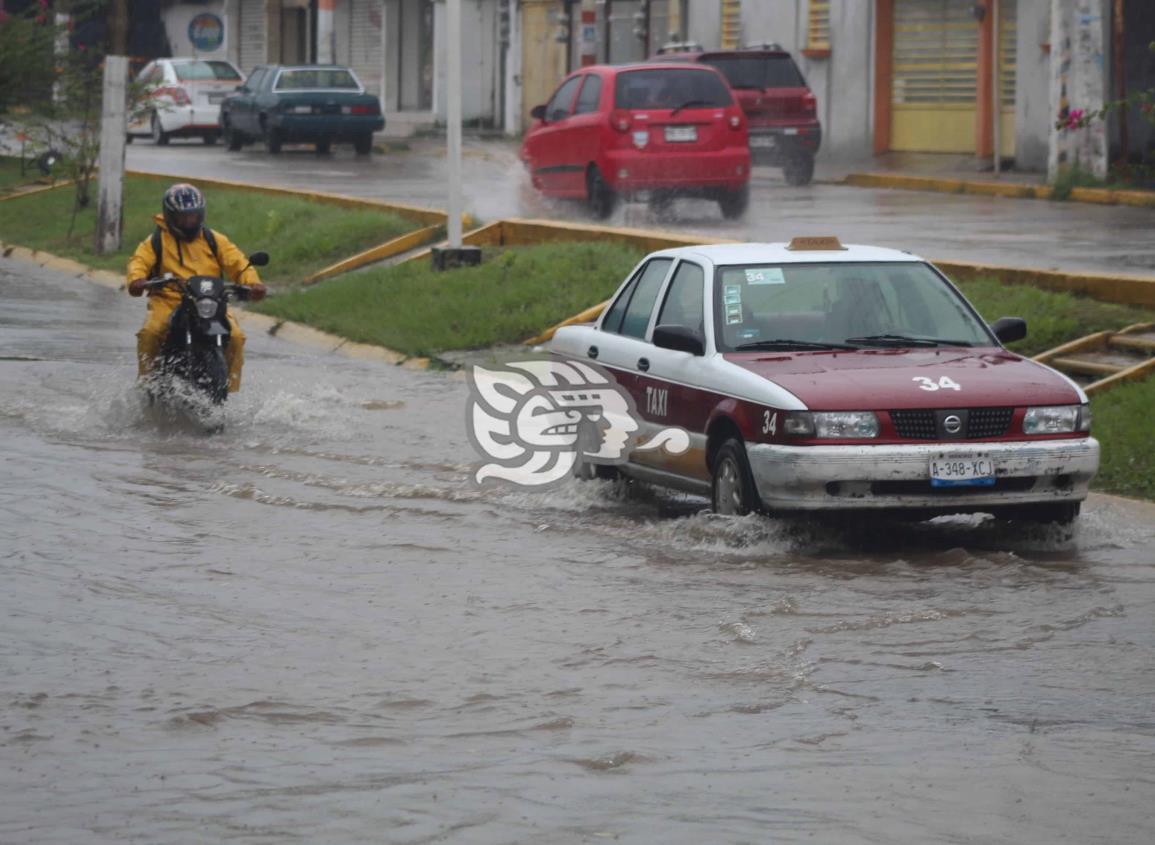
(667, 88)
(758, 71)
(309, 79)
(195, 71)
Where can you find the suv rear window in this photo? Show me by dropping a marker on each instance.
(192, 71)
(666, 88)
(758, 71)
(308, 79)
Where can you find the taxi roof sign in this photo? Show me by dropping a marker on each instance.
(825, 243)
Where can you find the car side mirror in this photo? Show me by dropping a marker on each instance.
(259, 259)
(537, 113)
(680, 339)
(1009, 329)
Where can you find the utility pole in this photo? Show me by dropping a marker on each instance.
(453, 117)
(326, 49)
(109, 210)
(118, 28)
(1078, 84)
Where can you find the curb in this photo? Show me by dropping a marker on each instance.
(285, 329)
(946, 185)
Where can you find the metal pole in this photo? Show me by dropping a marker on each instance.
(109, 213)
(453, 116)
(996, 87)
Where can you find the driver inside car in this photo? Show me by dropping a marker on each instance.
(184, 246)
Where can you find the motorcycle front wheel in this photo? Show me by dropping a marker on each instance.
(211, 373)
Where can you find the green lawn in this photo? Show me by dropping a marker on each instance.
(511, 296)
(1122, 425)
(10, 175)
(300, 235)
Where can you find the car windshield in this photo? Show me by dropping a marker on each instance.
(196, 71)
(758, 71)
(877, 304)
(666, 88)
(312, 79)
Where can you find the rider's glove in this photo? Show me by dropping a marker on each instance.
(257, 292)
(137, 286)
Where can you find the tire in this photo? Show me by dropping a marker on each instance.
(733, 492)
(799, 169)
(363, 144)
(601, 199)
(233, 139)
(210, 138)
(323, 147)
(211, 374)
(159, 136)
(273, 141)
(733, 204)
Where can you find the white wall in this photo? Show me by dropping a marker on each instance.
(176, 20)
(478, 56)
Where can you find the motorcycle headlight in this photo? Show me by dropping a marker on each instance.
(1058, 419)
(833, 424)
(207, 308)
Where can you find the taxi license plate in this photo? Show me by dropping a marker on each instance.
(681, 134)
(962, 471)
(768, 141)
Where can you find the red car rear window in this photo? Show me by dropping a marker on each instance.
(669, 88)
(758, 71)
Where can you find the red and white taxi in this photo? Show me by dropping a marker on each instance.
(183, 98)
(813, 376)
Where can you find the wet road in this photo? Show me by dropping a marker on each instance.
(1016, 233)
(312, 628)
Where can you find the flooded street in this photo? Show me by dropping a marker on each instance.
(313, 627)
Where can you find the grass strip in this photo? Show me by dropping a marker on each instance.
(11, 177)
(300, 235)
(412, 308)
(1122, 425)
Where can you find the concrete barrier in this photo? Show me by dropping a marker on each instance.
(389, 249)
(1012, 190)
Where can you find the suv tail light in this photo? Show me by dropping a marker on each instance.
(620, 120)
(809, 103)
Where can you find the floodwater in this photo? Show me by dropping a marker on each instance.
(313, 628)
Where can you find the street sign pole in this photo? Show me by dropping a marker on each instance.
(453, 117)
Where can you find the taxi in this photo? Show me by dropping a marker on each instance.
(813, 376)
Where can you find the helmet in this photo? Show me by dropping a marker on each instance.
(184, 211)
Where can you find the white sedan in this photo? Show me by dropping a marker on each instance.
(183, 98)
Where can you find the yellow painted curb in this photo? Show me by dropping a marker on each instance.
(39, 189)
(1012, 190)
(285, 329)
(487, 235)
(1118, 288)
(587, 316)
(428, 216)
(522, 232)
(398, 245)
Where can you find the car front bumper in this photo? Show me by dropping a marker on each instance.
(815, 478)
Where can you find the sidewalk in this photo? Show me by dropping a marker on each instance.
(964, 174)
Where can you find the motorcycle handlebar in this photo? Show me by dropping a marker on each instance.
(235, 291)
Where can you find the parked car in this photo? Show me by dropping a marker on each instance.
(643, 131)
(183, 98)
(314, 104)
(782, 110)
(816, 377)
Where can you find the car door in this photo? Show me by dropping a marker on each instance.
(675, 389)
(583, 134)
(550, 156)
(240, 107)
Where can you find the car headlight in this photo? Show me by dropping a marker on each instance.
(1057, 419)
(832, 424)
(207, 308)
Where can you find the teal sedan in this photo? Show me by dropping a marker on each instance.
(311, 104)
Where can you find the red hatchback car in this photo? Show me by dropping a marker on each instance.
(645, 131)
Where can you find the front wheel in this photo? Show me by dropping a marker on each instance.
(733, 204)
(159, 136)
(799, 169)
(363, 144)
(600, 197)
(273, 141)
(211, 374)
(233, 139)
(734, 493)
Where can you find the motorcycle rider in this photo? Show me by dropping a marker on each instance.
(184, 246)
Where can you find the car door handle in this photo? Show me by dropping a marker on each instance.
(644, 364)
(592, 352)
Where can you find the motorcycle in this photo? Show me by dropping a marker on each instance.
(193, 355)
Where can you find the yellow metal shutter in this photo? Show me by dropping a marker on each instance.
(731, 24)
(818, 25)
(934, 97)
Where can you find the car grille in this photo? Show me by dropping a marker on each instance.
(981, 423)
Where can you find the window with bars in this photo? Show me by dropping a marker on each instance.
(818, 27)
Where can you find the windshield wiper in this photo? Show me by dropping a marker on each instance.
(905, 340)
(786, 343)
(689, 103)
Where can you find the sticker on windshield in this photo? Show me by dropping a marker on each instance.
(765, 276)
(732, 300)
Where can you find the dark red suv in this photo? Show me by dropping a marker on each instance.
(781, 109)
(652, 131)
